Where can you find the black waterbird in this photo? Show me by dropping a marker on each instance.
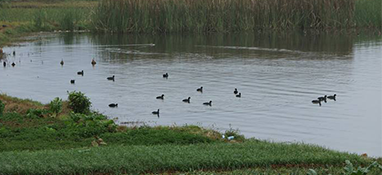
(208, 103)
(187, 100)
(113, 105)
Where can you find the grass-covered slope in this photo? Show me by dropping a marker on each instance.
(158, 158)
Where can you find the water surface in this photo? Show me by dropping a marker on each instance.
(278, 75)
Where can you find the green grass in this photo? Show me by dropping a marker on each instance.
(26, 132)
(159, 158)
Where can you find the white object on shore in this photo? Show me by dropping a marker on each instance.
(230, 137)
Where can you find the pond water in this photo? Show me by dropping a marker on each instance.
(278, 75)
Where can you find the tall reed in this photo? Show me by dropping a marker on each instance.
(164, 16)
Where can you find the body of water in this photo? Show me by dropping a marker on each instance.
(278, 75)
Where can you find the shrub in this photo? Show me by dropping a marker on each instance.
(55, 106)
(2, 106)
(79, 103)
(90, 125)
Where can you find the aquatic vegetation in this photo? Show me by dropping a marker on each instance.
(166, 16)
(368, 13)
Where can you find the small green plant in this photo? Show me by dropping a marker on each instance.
(79, 103)
(234, 134)
(55, 106)
(36, 113)
(2, 106)
(350, 170)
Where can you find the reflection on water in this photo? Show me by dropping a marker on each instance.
(278, 75)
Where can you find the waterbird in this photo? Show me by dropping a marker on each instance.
(72, 81)
(14, 53)
(316, 102)
(235, 91)
(208, 103)
(112, 105)
(165, 75)
(322, 98)
(238, 95)
(4, 64)
(200, 89)
(156, 112)
(161, 97)
(80, 73)
(111, 78)
(62, 62)
(332, 97)
(93, 62)
(187, 100)
(13, 64)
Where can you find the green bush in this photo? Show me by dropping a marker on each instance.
(2, 106)
(55, 106)
(79, 103)
(89, 125)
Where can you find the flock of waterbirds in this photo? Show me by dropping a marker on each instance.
(166, 75)
(324, 99)
(112, 78)
(186, 100)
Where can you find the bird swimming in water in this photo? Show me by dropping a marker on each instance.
(200, 89)
(165, 75)
(332, 97)
(62, 62)
(80, 73)
(112, 105)
(13, 64)
(111, 78)
(155, 112)
(72, 81)
(238, 95)
(161, 97)
(93, 62)
(235, 91)
(208, 103)
(322, 98)
(187, 100)
(4, 64)
(316, 102)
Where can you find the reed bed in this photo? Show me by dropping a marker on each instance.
(167, 16)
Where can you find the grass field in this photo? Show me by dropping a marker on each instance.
(170, 157)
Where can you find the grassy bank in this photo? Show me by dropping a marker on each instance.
(29, 125)
(201, 16)
(23, 18)
(159, 158)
